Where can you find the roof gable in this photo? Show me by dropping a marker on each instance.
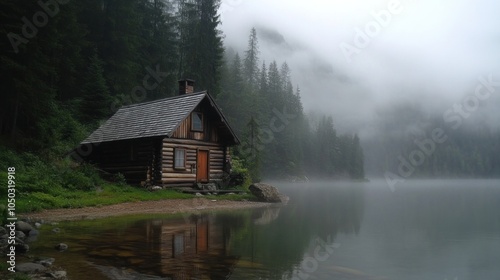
(151, 119)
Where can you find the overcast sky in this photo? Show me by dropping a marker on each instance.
(431, 52)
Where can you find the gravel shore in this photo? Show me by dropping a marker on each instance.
(144, 207)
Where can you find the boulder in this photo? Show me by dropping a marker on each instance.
(22, 248)
(30, 267)
(155, 188)
(61, 247)
(23, 226)
(47, 262)
(20, 234)
(31, 238)
(265, 192)
(60, 274)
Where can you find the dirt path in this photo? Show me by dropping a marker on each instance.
(143, 207)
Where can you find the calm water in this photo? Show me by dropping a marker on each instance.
(424, 230)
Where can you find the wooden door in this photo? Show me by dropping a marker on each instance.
(202, 167)
(202, 237)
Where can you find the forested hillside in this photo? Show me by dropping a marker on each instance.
(264, 106)
(68, 65)
(469, 150)
(90, 57)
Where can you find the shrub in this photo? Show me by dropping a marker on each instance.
(83, 177)
(37, 177)
(119, 179)
(239, 176)
(9, 158)
(4, 214)
(75, 180)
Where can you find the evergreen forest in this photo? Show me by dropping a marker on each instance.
(67, 66)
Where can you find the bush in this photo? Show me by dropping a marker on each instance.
(74, 180)
(9, 158)
(119, 179)
(239, 176)
(4, 214)
(83, 177)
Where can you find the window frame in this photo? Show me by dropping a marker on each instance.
(192, 121)
(178, 244)
(183, 167)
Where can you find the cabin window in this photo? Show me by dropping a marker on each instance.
(180, 159)
(178, 244)
(197, 121)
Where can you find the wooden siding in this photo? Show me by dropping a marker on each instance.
(138, 160)
(210, 132)
(171, 176)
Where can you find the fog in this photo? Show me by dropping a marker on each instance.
(425, 53)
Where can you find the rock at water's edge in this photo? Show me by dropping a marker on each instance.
(61, 247)
(61, 274)
(266, 193)
(30, 267)
(23, 226)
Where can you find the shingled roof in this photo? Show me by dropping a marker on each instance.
(150, 119)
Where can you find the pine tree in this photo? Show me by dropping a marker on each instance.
(275, 85)
(286, 80)
(29, 78)
(263, 94)
(160, 45)
(201, 49)
(115, 26)
(251, 60)
(251, 151)
(263, 81)
(233, 100)
(95, 103)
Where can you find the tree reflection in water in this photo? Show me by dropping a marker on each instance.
(264, 243)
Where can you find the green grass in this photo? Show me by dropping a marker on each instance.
(43, 183)
(109, 194)
(233, 197)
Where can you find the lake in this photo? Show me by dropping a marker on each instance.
(425, 230)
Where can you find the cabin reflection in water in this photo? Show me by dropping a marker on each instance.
(192, 248)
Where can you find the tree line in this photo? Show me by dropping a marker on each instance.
(279, 140)
(406, 146)
(69, 65)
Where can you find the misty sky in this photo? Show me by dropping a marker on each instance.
(429, 52)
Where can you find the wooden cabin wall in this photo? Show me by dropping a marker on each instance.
(171, 176)
(138, 160)
(210, 132)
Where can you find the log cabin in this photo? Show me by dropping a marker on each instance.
(172, 142)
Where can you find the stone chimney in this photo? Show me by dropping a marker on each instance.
(186, 86)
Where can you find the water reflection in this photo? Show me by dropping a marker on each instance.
(194, 247)
(267, 243)
(426, 230)
(313, 214)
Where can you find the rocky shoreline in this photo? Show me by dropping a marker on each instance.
(35, 267)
